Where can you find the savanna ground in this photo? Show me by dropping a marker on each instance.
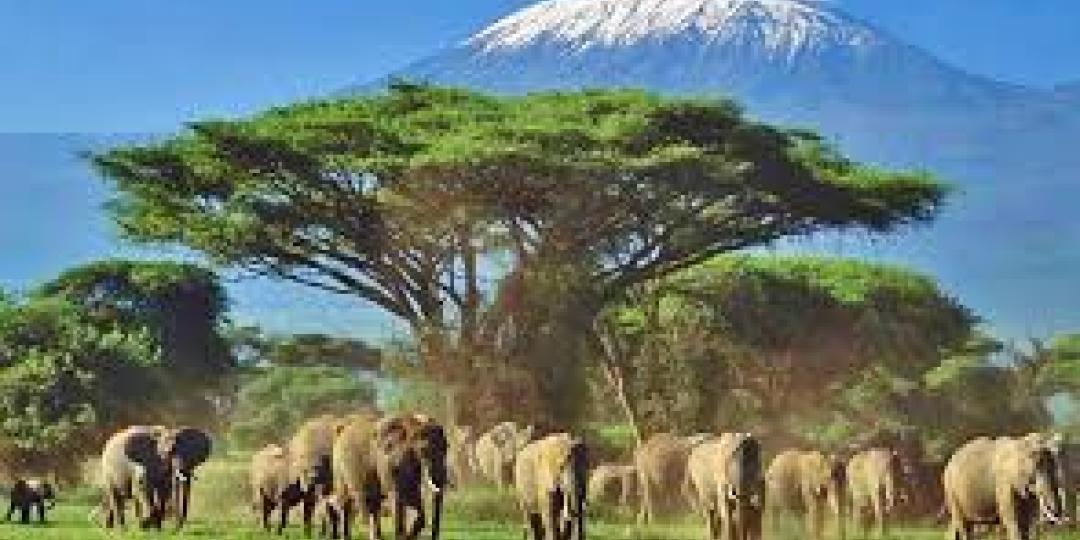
(221, 511)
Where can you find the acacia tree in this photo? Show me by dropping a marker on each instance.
(302, 350)
(401, 198)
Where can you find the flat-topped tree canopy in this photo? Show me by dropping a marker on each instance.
(391, 197)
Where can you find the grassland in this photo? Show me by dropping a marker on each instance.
(221, 512)
(70, 522)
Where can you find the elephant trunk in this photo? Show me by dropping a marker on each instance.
(579, 503)
(436, 513)
(181, 494)
(183, 503)
(434, 473)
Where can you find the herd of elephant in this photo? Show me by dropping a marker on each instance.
(338, 469)
(341, 468)
(1012, 482)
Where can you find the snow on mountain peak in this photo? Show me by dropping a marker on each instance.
(784, 28)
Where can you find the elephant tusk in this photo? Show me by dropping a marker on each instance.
(1051, 518)
(431, 485)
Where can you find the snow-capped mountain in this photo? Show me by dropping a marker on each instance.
(1011, 238)
(758, 48)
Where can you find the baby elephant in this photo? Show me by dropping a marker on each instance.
(26, 495)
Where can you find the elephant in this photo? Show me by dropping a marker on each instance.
(29, 495)
(1010, 481)
(661, 464)
(272, 487)
(876, 487)
(1068, 459)
(806, 482)
(550, 478)
(410, 456)
(185, 448)
(153, 466)
(496, 450)
(462, 456)
(615, 484)
(725, 477)
(356, 478)
(310, 450)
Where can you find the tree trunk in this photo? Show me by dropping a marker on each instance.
(617, 381)
(612, 357)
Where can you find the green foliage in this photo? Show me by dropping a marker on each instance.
(790, 347)
(274, 401)
(334, 187)
(1062, 370)
(323, 350)
(66, 381)
(103, 346)
(394, 197)
(181, 305)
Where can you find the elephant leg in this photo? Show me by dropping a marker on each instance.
(879, 517)
(866, 521)
(109, 505)
(309, 512)
(327, 526)
(373, 501)
(266, 508)
(118, 507)
(283, 516)
(722, 523)
(399, 517)
(25, 508)
(753, 524)
(645, 514)
(549, 523)
(348, 513)
(710, 519)
(535, 525)
(41, 511)
(374, 526)
(813, 521)
(1013, 530)
(419, 521)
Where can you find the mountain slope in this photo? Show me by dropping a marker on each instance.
(1010, 239)
(743, 47)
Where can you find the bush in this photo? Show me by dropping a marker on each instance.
(276, 400)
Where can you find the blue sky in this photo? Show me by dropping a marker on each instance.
(111, 66)
(147, 65)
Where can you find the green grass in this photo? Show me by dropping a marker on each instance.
(69, 522)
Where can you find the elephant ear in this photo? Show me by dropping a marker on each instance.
(141, 446)
(525, 436)
(1055, 442)
(434, 437)
(191, 445)
(391, 434)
